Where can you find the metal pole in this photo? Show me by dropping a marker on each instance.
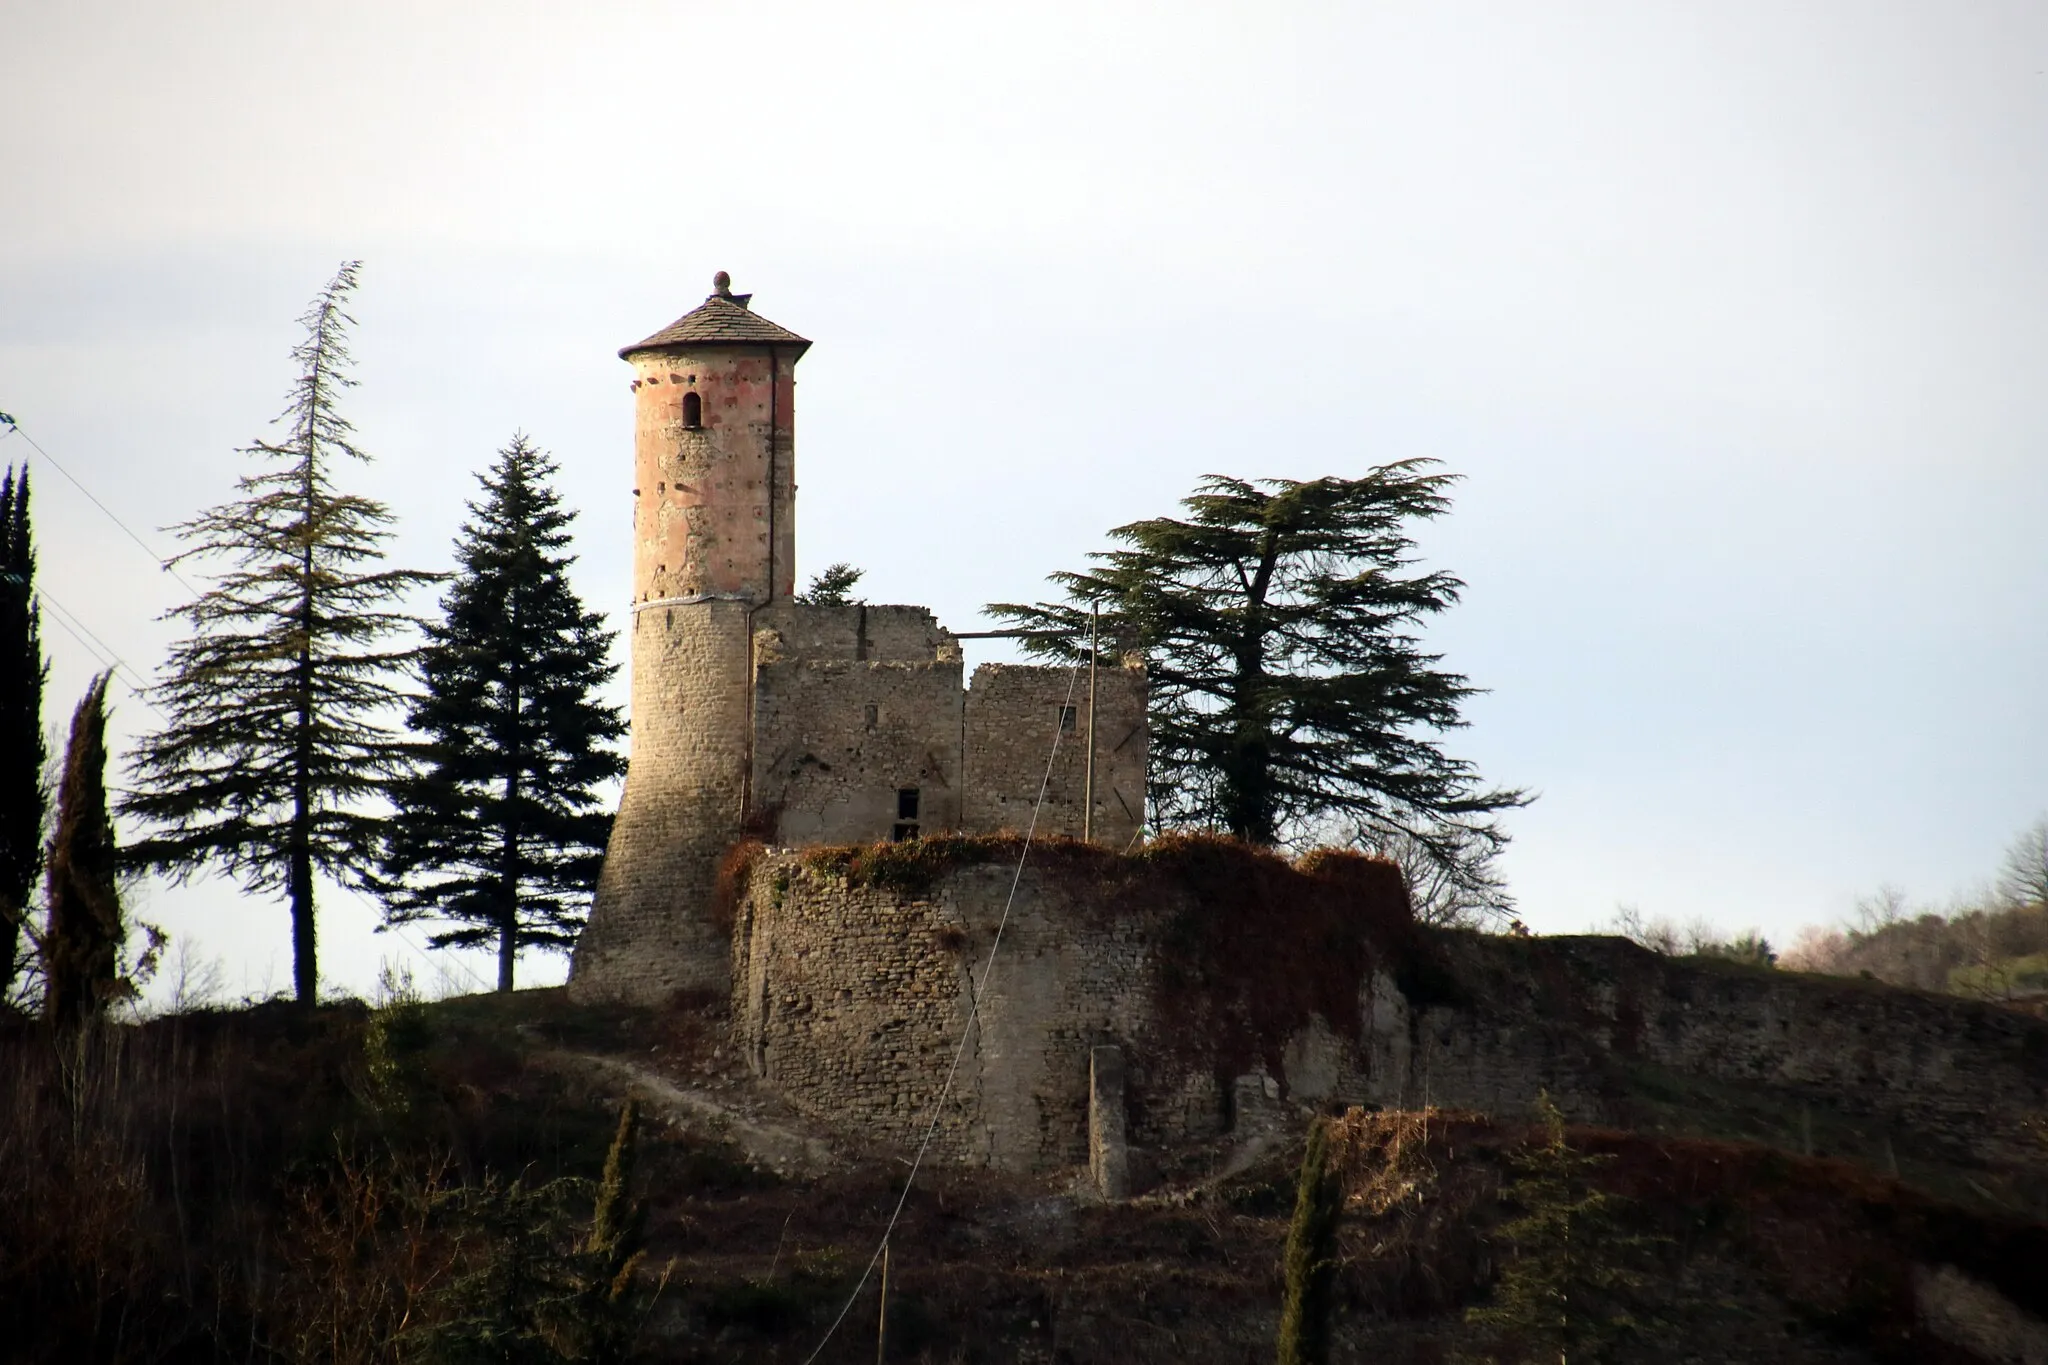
(882, 1318)
(1088, 772)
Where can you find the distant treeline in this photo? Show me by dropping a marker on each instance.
(1991, 946)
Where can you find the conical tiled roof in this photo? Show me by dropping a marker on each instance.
(722, 319)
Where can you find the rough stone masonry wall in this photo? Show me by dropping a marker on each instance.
(839, 740)
(1580, 1014)
(856, 632)
(651, 932)
(851, 1001)
(1012, 715)
(852, 705)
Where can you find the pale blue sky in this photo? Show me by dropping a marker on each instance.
(1734, 317)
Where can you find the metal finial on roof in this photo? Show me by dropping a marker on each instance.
(723, 319)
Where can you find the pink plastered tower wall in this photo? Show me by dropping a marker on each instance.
(715, 501)
(714, 543)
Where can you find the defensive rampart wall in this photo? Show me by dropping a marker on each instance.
(855, 971)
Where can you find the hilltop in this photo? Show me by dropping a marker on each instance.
(262, 1184)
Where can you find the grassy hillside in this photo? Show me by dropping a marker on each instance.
(404, 1184)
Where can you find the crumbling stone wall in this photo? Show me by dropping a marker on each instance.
(1013, 713)
(1582, 1014)
(860, 631)
(857, 724)
(852, 999)
(851, 752)
(853, 1002)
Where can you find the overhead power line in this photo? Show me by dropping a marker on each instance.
(14, 429)
(103, 653)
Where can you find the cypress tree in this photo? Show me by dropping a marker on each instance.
(23, 798)
(500, 831)
(277, 700)
(82, 936)
(1308, 1260)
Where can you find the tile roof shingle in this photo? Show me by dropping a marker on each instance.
(723, 318)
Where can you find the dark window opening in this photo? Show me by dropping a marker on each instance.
(906, 815)
(873, 714)
(1067, 719)
(693, 410)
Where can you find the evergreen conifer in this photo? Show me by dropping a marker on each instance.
(277, 702)
(1575, 1281)
(1289, 692)
(24, 799)
(500, 829)
(832, 586)
(1309, 1259)
(81, 939)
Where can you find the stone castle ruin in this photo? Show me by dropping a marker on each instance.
(754, 713)
(818, 824)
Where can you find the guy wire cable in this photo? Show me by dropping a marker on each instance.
(967, 1029)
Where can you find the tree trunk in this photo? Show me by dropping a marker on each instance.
(507, 938)
(1250, 810)
(509, 869)
(305, 970)
(508, 888)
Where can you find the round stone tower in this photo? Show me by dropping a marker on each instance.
(714, 541)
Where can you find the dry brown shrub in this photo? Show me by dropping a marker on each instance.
(360, 1259)
(1383, 1158)
(730, 887)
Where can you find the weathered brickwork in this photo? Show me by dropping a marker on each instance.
(714, 503)
(852, 1001)
(1013, 715)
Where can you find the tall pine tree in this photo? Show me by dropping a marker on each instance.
(501, 831)
(23, 671)
(278, 701)
(1290, 695)
(82, 936)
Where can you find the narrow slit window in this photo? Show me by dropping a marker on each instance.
(906, 815)
(872, 715)
(1067, 719)
(693, 410)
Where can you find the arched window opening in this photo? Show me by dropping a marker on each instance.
(693, 411)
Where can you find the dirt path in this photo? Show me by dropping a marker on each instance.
(780, 1147)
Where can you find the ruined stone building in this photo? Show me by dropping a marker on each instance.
(1198, 993)
(756, 714)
